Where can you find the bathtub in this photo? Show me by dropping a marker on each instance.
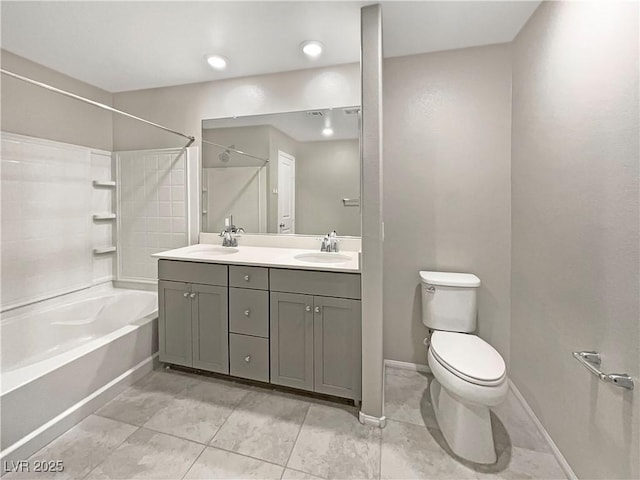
(63, 358)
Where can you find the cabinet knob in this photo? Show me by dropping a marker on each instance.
(308, 308)
(317, 309)
(193, 295)
(247, 312)
(247, 358)
(246, 277)
(185, 294)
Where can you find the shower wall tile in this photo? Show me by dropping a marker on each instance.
(152, 209)
(46, 216)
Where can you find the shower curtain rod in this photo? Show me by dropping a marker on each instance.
(235, 150)
(95, 104)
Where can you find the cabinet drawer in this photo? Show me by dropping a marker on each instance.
(193, 272)
(249, 277)
(249, 312)
(328, 284)
(249, 357)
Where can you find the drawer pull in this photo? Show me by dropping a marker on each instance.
(247, 358)
(317, 309)
(247, 312)
(246, 277)
(308, 308)
(185, 294)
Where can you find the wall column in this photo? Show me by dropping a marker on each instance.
(372, 410)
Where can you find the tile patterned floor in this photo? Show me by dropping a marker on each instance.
(174, 425)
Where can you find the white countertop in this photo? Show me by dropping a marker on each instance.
(344, 261)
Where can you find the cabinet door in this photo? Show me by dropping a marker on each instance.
(174, 322)
(210, 328)
(291, 340)
(337, 347)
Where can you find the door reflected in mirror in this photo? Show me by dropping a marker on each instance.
(283, 173)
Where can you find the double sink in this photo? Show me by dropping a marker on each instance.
(268, 256)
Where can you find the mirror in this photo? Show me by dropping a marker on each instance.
(283, 173)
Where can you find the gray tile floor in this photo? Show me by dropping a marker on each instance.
(174, 425)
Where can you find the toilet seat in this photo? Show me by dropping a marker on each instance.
(468, 357)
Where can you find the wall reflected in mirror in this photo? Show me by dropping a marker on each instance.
(283, 173)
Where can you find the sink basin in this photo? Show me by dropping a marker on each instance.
(213, 250)
(323, 257)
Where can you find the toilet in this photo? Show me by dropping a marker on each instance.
(469, 374)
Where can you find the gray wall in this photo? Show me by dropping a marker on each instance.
(327, 172)
(575, 245)
(447, 187)
(183, 107)
(33, 111)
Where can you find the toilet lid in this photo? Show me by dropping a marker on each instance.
(469, 357)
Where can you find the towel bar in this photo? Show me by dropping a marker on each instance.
(591, 360)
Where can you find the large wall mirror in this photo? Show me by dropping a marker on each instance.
(283, 173)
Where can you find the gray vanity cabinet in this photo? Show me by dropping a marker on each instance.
(296, 328)
(210, 329)
(291, 340)
(337, 346)
(175, 322)
(316, 335)
(193, 317)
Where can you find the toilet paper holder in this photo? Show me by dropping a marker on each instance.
(591, 361)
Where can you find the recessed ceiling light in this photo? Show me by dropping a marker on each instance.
(312, 48)
(218, 62)
(327, 131)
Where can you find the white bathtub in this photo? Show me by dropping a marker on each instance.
(63, 358)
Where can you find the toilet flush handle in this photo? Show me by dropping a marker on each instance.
(430, 289)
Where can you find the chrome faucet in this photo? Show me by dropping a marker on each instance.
(229, 234)
(330, 242)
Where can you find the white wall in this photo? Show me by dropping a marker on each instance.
(575, 221)
(47, 194)
(47, 230)
(447, 120)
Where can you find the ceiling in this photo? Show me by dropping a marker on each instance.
(122, 46)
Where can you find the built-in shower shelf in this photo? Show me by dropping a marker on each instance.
(103, 250)
(104, 184)
(104, 216)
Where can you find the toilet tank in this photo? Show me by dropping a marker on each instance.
(449, 301)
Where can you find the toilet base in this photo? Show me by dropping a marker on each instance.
(465, 427)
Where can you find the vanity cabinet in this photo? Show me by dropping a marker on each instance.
(296, 328)
(291, 340)
(193, 317)
(315, 340)
(249, 322)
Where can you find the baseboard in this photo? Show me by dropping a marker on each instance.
(55, 427)
(554, 448)
(365, 419)
(415, 367)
